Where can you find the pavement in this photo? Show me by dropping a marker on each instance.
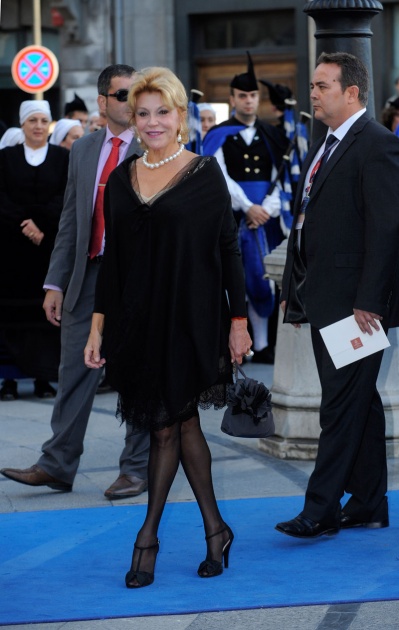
(240, 470)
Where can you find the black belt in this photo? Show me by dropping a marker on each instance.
(95, 260)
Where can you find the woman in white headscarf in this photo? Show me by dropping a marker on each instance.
(11, 137)
(33, 177)
(65, 132)
(207, 117)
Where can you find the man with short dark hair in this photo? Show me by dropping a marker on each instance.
(73, 269)
(342, 259)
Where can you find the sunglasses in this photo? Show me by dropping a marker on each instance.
(120, 95)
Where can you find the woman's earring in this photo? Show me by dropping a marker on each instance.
(179, 137)
(138, 139)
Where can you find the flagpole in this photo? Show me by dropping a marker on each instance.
(37, 34)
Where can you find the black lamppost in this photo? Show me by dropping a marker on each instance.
(344, 26)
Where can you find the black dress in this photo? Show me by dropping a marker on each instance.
(162, 286)
(29, 192)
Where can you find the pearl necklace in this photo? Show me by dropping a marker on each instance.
(162, 162)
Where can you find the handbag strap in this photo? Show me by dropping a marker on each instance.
(238, 368)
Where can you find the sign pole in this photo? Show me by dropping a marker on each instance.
(37, 34)
(35, 68)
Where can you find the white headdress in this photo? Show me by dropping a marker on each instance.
(27, 108)
(11, 137)
(202, 106)
(62, 128)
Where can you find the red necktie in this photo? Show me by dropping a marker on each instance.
(97, 226)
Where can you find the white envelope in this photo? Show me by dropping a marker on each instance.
(346, 343)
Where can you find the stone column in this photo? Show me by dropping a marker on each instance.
(149, 33)
(296, 387)
(86, 48)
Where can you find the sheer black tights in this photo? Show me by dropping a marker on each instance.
(196, 460)
(182, 442)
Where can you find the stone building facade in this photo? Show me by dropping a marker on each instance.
(204, 42)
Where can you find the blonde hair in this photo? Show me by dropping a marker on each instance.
(171, 89)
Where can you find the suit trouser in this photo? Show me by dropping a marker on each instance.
(77, 387)
(352, 451)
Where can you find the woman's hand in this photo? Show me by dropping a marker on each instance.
(239, 341)
(92, 353)
(32, 232)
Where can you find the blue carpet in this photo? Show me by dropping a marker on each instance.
(69, 565)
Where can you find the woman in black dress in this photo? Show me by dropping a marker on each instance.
(162, 320)
(33, 177)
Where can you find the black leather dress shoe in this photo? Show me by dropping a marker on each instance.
(303, 527)
(35, 476)
(351, 521)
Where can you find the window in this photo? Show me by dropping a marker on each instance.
(246, 30)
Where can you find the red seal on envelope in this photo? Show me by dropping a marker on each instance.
(356, 343)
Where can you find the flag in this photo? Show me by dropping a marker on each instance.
(194, 128)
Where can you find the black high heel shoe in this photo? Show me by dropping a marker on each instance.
(211, 568)
(143, 578)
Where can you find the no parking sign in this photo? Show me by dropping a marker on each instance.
(35, 69)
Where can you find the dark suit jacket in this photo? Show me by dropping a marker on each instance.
(351, 227)
(69, 258)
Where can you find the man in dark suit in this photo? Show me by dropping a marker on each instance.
(72, 271)
(341, 261)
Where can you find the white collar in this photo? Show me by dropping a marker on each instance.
(343, 129)
(35, 157)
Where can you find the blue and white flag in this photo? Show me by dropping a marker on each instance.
(194, 128)
(296, 132)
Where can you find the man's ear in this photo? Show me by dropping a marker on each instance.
(353, 93)
(102, 103)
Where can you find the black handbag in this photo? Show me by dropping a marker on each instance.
(249, 408)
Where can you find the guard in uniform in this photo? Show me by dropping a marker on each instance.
(250, 153)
